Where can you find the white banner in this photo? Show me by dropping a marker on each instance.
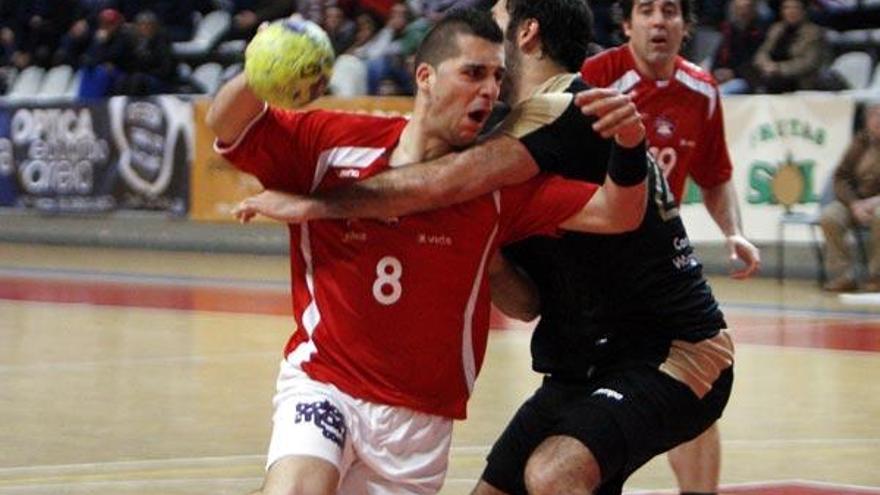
(810, 130)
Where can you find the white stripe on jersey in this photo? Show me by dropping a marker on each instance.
(627, 81)
(311, 317)
(344, 157)
(467, 347)
(701, 87)
(348, 157)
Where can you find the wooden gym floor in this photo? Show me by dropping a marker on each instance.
(134, 372)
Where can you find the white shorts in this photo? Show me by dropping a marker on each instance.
(378, 449)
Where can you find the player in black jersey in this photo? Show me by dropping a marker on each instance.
(631, 338)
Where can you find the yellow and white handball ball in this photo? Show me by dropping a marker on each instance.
(289, 62)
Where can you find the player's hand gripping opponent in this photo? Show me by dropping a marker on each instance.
(616, 113)
(284, 207)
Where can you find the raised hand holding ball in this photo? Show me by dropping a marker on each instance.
(289, 62)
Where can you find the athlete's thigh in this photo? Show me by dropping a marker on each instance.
(633, 414)
(531, 424)
(562, 464)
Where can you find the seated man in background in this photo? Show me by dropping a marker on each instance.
(857, 197)
(794, 53)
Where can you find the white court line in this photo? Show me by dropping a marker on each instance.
(124, 485)
(460, 450)
(226, 482)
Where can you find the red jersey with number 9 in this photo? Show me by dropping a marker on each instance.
(682, 116)
(394, 311)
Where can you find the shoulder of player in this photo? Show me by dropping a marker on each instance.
(347, 116)
(612, 67)
(609, 56)
(339, 126)
(694, 77)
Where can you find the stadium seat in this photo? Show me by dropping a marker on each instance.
(208, 33)
(8, 75)
(73, 87)
(875, 79)
(56, 82)
(349, 77)
(855, 68)
(230, 72)
(207, 76)
(232, 50)
(27, 84)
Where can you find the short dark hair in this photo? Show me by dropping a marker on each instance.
(625, 8)
(440, 42)
(566, 28)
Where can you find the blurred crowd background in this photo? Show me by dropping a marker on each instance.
(98, 48)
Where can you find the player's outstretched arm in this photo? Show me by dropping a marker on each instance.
(513, 292)
(453, 178)
(233, 109)
(277, 205)
(619, 205)
(721, 203)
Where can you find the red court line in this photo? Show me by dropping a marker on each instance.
(799, 331)
(192, 298)
(776, 330)
(187, 298)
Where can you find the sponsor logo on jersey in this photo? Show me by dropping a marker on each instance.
(607, 392)
(326, 417)
(348, 173)
(354, 236)
(664, 127)
(434, 239)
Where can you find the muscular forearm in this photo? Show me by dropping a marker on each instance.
(722, 205)
(513, 292)
(445, 181)
(233, 109)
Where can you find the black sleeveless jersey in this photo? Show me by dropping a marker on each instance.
(605, 297)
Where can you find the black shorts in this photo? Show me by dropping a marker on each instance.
(625, 417)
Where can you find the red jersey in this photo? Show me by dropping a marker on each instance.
(682, 116)
(396, 311)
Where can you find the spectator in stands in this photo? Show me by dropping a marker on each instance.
(366, 27)
(793, 54)
(712, 12)
(78, 36)
(38, 25)
(741, 36)
(249, 14)
(350, 70)
(856, 204)
(339, 28)
(153, 68)
(315, 10)
(389, 61)
(176, 17)
(434, 10)
(7, 32)
(108, 57)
